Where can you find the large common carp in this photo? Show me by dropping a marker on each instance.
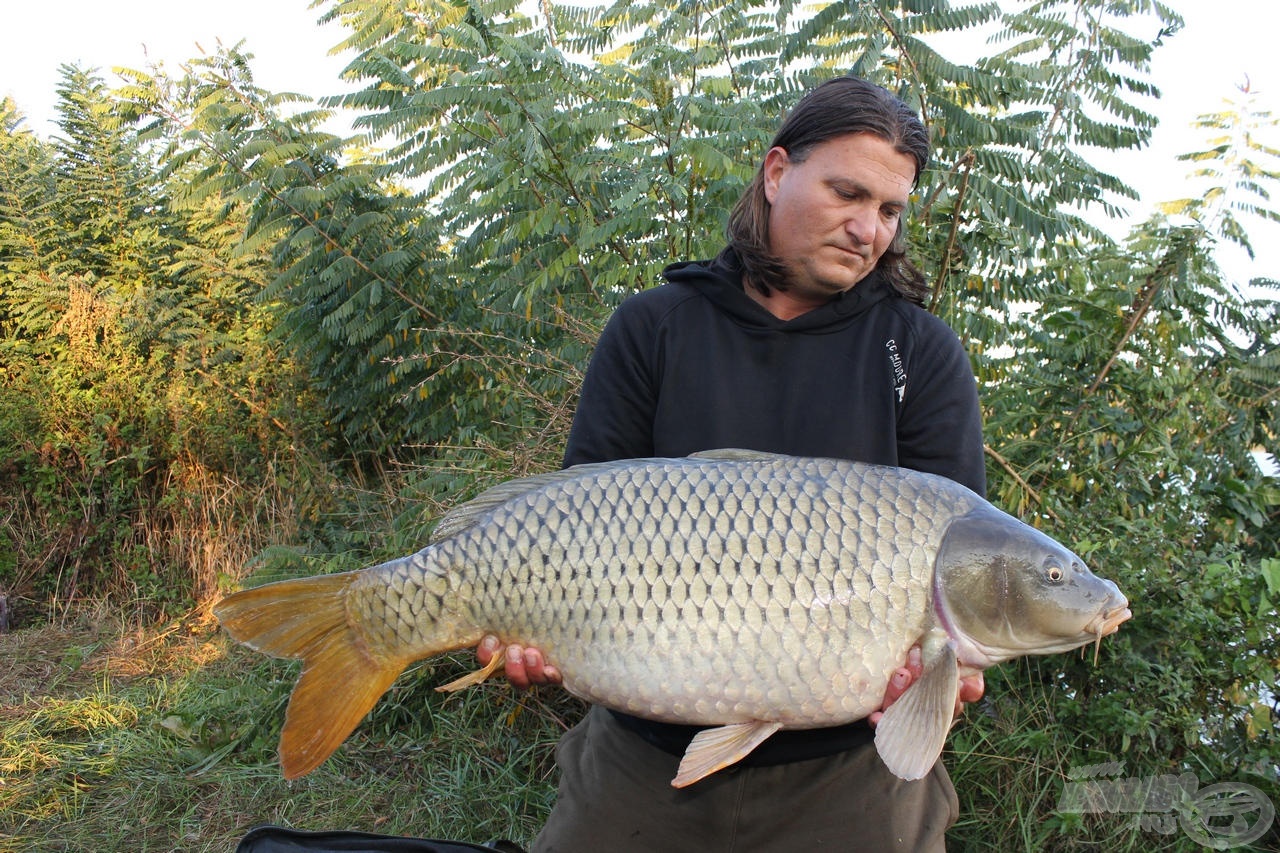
(743, 591)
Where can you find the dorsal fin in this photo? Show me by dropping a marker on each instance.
(466, 514)
(736, 454)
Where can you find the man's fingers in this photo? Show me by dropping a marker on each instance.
(898, 684)
(487, 649)
(533, 663)
(524, 666)
(972, 687)
(517, 674)
(915, 662)
(537, 669)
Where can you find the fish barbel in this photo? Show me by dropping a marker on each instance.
(742, 591)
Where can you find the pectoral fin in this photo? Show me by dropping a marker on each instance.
(714, 749)
(910, 735)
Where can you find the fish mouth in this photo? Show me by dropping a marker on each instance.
(1107, 622)
(1110, 621)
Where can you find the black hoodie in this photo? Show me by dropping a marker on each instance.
(696, 364)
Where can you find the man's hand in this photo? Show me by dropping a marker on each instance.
(971, 686)
(524, 665)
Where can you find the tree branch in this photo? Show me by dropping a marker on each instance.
(1023, 484)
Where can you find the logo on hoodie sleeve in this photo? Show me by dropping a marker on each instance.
(899, 372)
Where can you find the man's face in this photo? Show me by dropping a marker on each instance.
(835, 213)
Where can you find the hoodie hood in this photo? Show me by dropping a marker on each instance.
(720, 280)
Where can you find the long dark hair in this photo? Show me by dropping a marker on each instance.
(838, 107)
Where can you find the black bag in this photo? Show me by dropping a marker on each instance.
(280, 839)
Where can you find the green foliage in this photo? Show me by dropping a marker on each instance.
(547, 166)
(1235, 171)
(1123, 417)
(144, 430)
(339, 246)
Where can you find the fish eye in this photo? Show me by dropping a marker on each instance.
(1054, 573)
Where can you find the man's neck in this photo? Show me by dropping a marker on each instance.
(783, 304)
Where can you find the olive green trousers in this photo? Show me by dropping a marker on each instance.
(616, 797)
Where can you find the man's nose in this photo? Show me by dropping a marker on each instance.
(861, 225)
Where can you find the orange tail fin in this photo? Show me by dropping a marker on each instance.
(342, 679)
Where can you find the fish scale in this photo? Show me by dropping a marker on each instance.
(741, 591)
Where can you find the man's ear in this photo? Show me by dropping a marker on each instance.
(776, 162)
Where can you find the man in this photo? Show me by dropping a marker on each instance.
(804, 336)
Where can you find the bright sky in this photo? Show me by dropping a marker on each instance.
(290, 49)
(1225, 43)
